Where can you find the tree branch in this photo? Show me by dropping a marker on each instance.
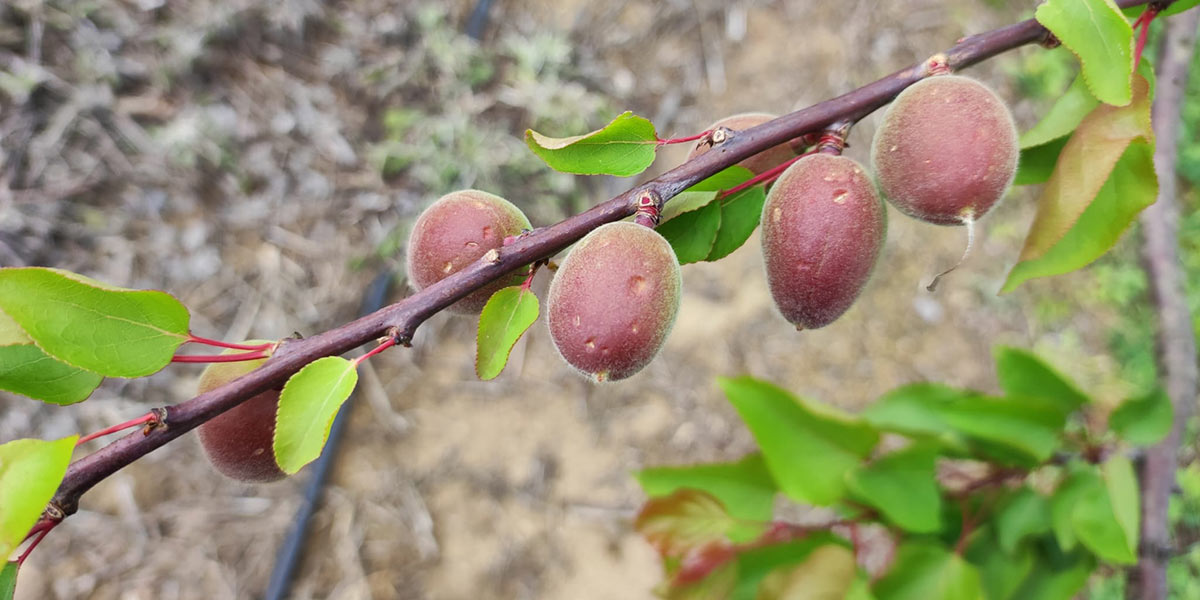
(1175, 340)
(406, 315)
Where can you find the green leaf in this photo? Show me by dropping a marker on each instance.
(1026, 514)
(808, 448)
(756, 564)
(8, 580)
(903, 486)
(106, 330)
(11, 334)
(1016, 430)
(1093, 517)
(1143, 421)
(1121, 482)
(26, 370)
(1097, 33)
(1078, 481)
(1104, 177)
(827, 572)
(1063, 117)
(924, 570)
(1037, 163)
(745, 487)
(1059, 579)
(1178, 7)
(309, 402)
(685, 521)
(740, 214)
(1022, 373)
(693, 233)
(505, 318)
(1001, 573)
(705, 191)
(700, 227)
(624, 147)
(30, 471)
(718, 585)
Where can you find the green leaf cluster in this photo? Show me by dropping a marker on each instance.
(1037, 517)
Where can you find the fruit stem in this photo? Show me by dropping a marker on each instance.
(195, 339)
(1142, 24)
(684, 140)
(151, 420)
(527, 285)
(833, 139)
(218, 358)
(384, 345)
(766, 176)
(970, 223)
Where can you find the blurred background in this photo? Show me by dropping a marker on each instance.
(262, 161)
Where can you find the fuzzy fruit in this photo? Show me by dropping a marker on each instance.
(239, 441)
(947, 150)
(613, 300)
(760, 162)
(823, 226)
(456, 231)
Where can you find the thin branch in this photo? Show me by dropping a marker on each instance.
(1176, 344)
(405, 316)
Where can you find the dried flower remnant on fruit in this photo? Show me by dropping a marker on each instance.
(758, 163)
(823, 227)
(457, 230)
(947, 150)
(613, 300)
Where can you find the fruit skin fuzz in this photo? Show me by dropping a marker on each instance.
(823, 227)
(947, 150)
(240, 441)
(456, 231)
(614, 300)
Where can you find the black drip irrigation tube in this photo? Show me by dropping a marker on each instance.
(293, 546)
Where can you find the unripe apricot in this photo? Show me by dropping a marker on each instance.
(947, 150)
(456, 231)
(613, 300)
(760, 162)
(823, 226)
(240, 441)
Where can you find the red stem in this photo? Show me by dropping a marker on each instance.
(40, 530)
(218, 358)
(388, 343)
(683, 140)
(765, 177)
(1143, 26)
(195, 339)
(149, 417)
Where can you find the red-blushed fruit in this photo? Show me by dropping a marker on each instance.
(613, 300)
(947, 150)
(760, 162)
(823, 226)
(240, 441)
(456, 231)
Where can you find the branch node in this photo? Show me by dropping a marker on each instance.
(1050, 41)
(938, 64)
(159, 421)
(649, 207)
